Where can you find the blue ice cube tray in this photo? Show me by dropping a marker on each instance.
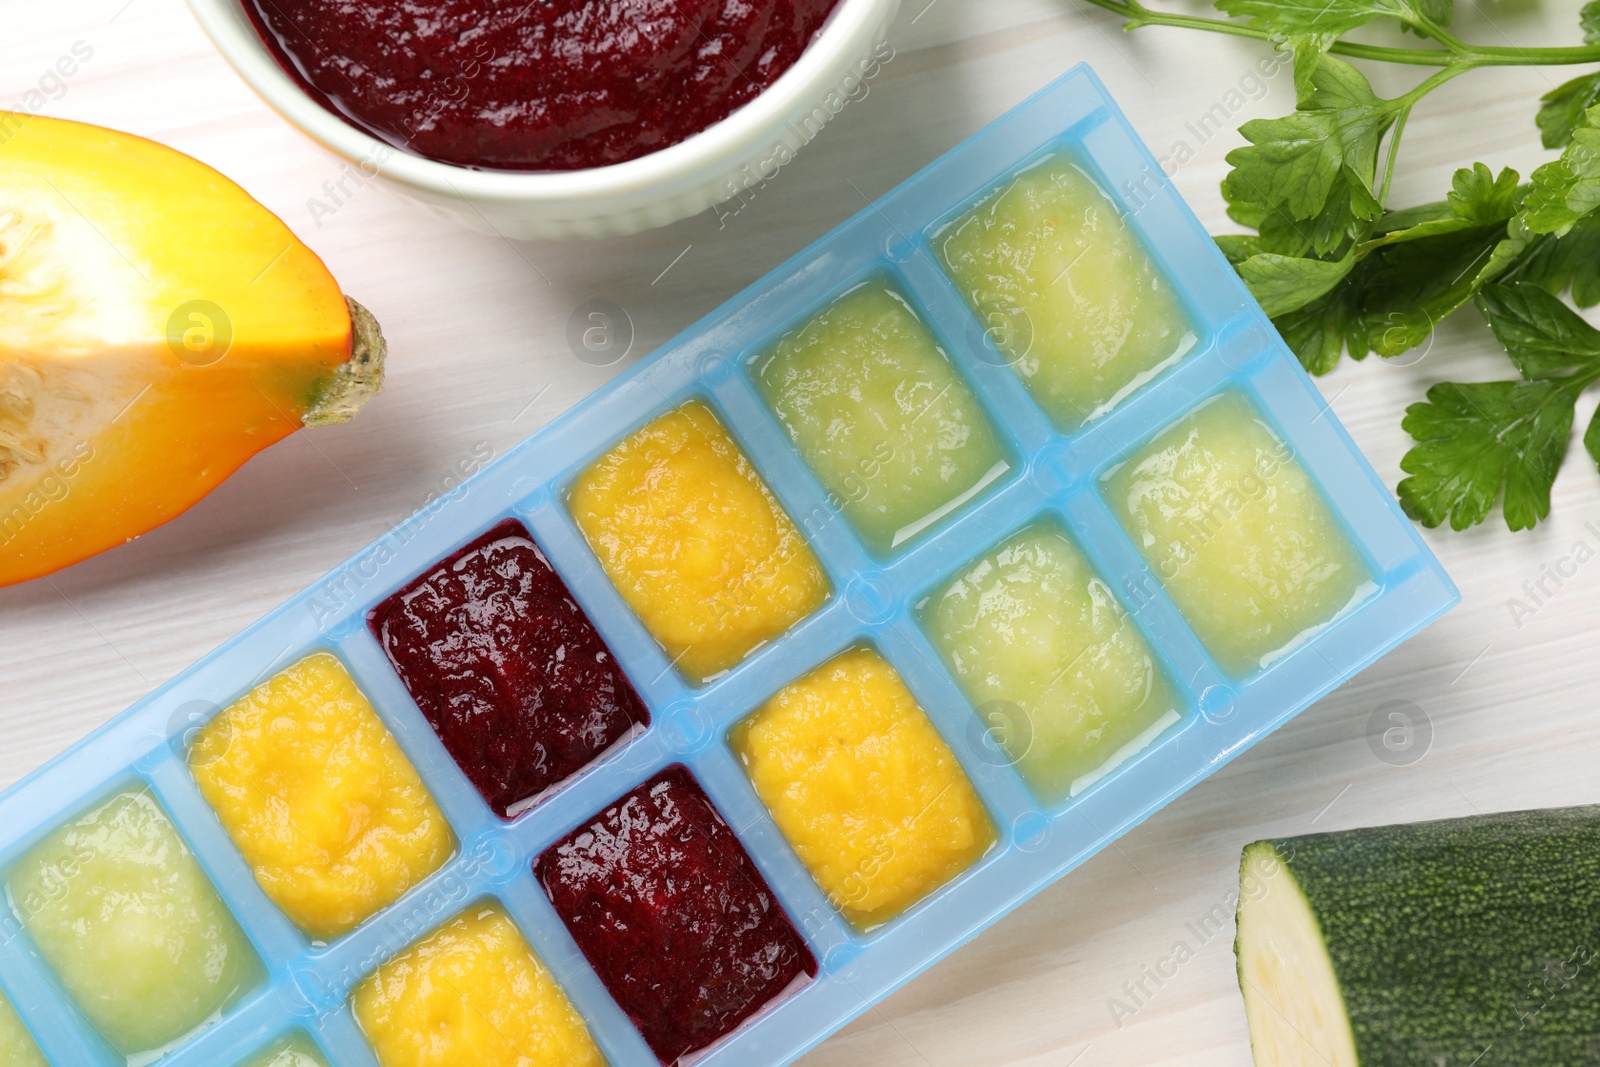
(872, 601)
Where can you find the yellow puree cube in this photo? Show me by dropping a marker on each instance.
(863, 786)
(695, 541)
(472, 992)
(314, 790)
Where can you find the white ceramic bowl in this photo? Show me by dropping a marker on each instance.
(718, 163)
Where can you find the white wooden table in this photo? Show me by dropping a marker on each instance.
(479, 359)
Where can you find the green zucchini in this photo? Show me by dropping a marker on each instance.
(1463, 943)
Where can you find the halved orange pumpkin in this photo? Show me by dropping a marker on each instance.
(158, 327)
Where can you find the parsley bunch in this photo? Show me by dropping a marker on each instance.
(1340, 271)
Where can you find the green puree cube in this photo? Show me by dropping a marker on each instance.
(1066, 291)
(884, 420)
(122, 912)
(1237, 533)
(297, 1051)
(17, 1048)
(1055, 667)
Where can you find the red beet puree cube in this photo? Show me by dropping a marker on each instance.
(673, 915)
(506, 667)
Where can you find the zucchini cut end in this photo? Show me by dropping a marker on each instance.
(1292, 1001)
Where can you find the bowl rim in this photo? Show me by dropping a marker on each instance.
(721, 147)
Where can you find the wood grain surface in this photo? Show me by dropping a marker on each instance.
(479, 359)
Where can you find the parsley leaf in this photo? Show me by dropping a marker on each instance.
(1412, 286)
(1563, 108)
(1422, 272)
(1591, 438)
(1330, 18)
(1439, 12)
(1307, 18)
(1393, 222)
(1316, 164)
(1278, 232)
(1422, 264)
(1319, 332)
(1286, 283)
(1336, 224)
(1475, 442)
(1543, 337)
(1477, 197)
(1566, 189)
(1338, 272)
(1238, 247)
(1480, 196)
(1307, 51)
(1306, 29)
(1569, 261)
(1295, 161)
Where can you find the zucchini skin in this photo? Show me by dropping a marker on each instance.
(1469, 942)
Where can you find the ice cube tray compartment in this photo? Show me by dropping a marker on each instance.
(872, 602)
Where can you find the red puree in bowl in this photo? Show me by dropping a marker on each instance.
(539, 84)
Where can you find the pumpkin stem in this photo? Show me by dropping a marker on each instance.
(359, 378)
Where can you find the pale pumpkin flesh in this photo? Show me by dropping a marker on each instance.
(158, 327)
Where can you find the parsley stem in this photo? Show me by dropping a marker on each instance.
(1433, 81)
(1456, 53)
(1394, 151)
(1513, 56)
(1403, 105)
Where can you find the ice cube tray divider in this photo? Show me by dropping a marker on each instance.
(1053, 475)
(57, 1027)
